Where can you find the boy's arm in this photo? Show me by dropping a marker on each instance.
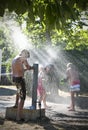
(67, 77)
(27, 66)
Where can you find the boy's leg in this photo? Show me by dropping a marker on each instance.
(19, 110)
(17, 100)
(72, 102)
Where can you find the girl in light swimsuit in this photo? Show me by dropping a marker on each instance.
(40, 89)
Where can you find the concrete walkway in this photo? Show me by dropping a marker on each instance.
(55, 111)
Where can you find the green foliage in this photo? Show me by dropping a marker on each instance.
(72, 38)
(19, 6)
(56, 18)
(7, 50)
(78, 40)
(52, 13)
(5, 44)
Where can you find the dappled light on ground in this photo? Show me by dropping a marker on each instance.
(57, 117)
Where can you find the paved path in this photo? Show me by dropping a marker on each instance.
(55, 111)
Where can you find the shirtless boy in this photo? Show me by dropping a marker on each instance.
(73, 78)
(19, 66)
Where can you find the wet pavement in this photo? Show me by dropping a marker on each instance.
(56, 111)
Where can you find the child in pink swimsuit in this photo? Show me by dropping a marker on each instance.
(40, 89)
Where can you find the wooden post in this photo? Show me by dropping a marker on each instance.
(35, 83)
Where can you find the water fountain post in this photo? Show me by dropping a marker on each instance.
(35, 83)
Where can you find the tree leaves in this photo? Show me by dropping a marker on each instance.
(52, 13)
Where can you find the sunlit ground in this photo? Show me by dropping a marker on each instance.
(62, 93)
(8, 86)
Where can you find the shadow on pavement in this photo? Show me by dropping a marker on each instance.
(1, 121)
(7, 92)
(80, 101)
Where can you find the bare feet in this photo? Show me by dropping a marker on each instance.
(71, 109)
(48, 107)
(15, 106)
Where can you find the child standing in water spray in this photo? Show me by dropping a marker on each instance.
(73, 78)
(18, 71)
(40, 89)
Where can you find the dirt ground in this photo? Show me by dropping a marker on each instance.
(57, 117)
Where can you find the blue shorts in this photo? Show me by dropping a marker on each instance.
(75, 88)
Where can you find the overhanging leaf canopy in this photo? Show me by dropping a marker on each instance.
(52, 13)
